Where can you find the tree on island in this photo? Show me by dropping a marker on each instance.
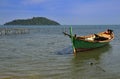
(33, 21)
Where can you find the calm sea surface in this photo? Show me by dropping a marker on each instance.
(45, 53)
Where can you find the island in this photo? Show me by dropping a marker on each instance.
(33, 21)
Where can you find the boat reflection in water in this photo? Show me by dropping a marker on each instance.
(87, 65)
(94, 53)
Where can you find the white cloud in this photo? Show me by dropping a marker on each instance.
(96, 7)
(26, 2)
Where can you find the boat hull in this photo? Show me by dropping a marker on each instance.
(81, 45)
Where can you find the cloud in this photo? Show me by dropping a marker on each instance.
(96, 12)
(5, 3)
(96, 7)
(30, 2)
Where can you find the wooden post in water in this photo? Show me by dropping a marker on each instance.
(8, 31)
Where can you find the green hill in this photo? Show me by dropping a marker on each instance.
(33, 21)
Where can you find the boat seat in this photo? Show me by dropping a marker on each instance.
(99, 38)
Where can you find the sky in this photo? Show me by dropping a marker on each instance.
(66, 12)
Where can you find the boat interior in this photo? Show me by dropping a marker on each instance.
(100, 37)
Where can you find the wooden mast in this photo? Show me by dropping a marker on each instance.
(71, 36)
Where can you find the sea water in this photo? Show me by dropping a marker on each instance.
(45, 53)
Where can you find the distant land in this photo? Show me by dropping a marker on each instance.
(33, 21)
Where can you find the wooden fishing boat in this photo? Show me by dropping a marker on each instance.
(82, 43)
